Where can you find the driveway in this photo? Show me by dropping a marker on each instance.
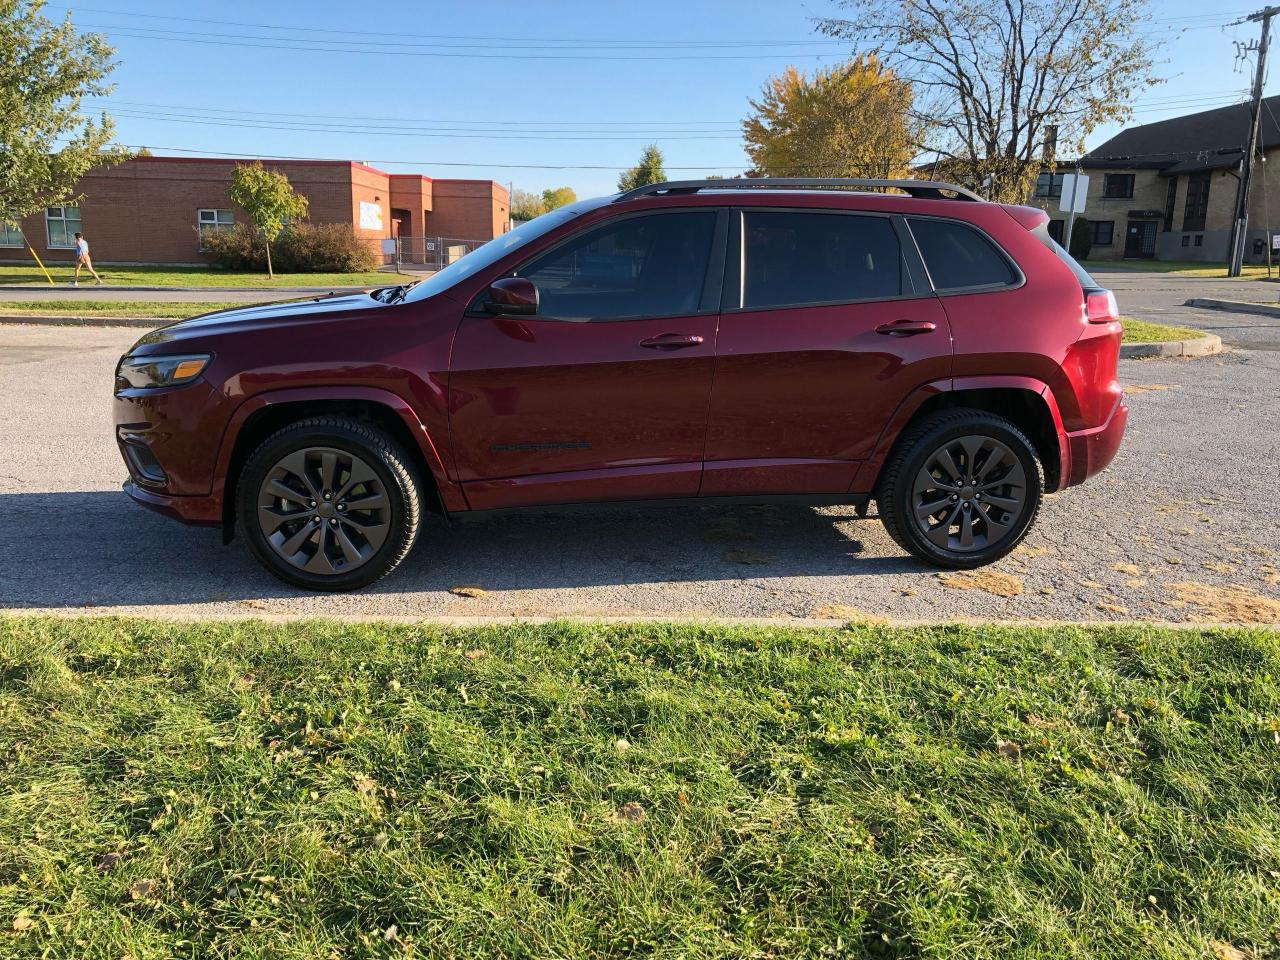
(1183, 526)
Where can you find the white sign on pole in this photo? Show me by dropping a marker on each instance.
(1075, 190)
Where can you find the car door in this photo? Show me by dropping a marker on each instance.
(602, 394)
(828, 323)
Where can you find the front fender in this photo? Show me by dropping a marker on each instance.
(450, 493)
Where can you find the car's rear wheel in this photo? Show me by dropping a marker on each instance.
(329, 504)
(961, 489)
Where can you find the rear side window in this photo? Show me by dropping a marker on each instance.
(793, 258)
(645, 266)
(958, 257)
(1043, 234)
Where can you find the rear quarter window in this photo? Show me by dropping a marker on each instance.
(959, 257)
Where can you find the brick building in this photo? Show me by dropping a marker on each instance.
(1167, 190)
(154, 209)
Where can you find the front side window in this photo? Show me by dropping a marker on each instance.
(1117, 186)
(959, 257)
(210, 221)
(10, 236)
(791, 258)
(646, 266)
(62, 224)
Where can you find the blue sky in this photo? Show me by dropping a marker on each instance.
(470, 110)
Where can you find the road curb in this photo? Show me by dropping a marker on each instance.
(1205, 346)
(148, 323)
(1235, 306)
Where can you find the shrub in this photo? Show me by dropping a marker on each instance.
(324, 248)
(236, 248)
(300, 248)
(1081, 241)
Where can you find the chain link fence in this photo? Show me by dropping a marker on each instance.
(429, 253)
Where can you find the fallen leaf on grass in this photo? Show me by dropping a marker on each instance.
(475, 654)
(142, 889)
(23, 923)
(365, 784)
(1118, 715)
(622, 744)
(1227, 951)
(629, 812)
(990, 581)
(108, 861)
(746, 557)
(1009, 750)
(468, 590)
(1230, 604)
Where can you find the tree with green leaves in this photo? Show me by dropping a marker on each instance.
(47, 143)
(1004, 85)
(558, 197)
(648, 170)
(850, 120)
(269, 200)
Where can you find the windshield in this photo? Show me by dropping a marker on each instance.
(496, 249)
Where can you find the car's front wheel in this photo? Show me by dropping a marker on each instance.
(961, 489)
(329, 503)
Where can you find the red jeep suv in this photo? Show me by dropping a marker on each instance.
(829, 340)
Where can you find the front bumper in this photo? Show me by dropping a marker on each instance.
(200, 511)
(1091, 450)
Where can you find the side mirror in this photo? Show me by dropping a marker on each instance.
(512, 296)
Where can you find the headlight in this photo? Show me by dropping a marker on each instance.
(160, 371)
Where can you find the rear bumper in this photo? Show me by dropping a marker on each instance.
(1091, 450)
(199, 511)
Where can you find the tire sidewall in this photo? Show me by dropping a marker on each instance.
(264, 459)
(903, 493)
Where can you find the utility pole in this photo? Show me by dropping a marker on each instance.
(1240, 227)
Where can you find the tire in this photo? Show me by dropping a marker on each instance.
(1000, 508)
(357, 535)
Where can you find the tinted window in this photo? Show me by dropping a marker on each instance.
(650, 266)
(958, 256)
(795, 258)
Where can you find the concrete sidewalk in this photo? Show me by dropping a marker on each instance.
(33, 293)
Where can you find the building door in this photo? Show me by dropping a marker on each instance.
(1140, 240)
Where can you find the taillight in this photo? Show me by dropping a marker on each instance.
(1100, 306)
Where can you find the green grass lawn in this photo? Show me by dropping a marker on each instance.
(114, 308)
(193, 277)
(322, 790)
(1144, 331)
(1184, 268)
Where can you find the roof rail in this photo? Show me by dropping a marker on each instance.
(926, 189)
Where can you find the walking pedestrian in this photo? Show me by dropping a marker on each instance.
(83, 260)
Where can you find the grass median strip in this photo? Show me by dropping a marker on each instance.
(1144, 331)
(196, 277)
(147, 309)
(574, 790)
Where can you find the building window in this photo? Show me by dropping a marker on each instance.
(1199, 239)
(211, 221)
(10, 236)
(1186, 239)
(1103, 232)
(1197, 207)
(1170, 199)
(1117, 186)
(62, 224)
(1049, 184)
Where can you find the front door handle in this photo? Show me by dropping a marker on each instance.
(906, 328)
(672, 341)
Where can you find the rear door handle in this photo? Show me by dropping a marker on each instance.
(672, 341)
(906, 328)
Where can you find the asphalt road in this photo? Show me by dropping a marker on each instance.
(1191, 500)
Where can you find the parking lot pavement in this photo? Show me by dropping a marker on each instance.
(1183, 526)
(1160, 297)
